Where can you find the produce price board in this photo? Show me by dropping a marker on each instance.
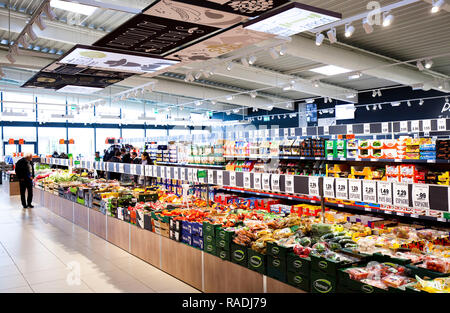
(420, 197)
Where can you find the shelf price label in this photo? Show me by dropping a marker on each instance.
(163, 172)
(233, 179)
(328, 187)
(133, 170)
(313, 185)
(257, 181)
(292, 132)
(384, 193)
(354, 190)
(304, 131)
(247, 178)
(210, 177)
(350, 129)
(401, 194)
(342, 188)
(266, 181)
(415, 126)
(369, 191)
(176, 174)
(289, 183)
(366, 129)
(169, 173)
(275, 182)
(183, 174)
(442, 124)
(121, 168)
(275, 132)
(426, 125)
(326, 130)
(219, 175)
(286, 132)
(384, 128)
(421, 196)
(403, 126)
(267, 133)
(190, 177)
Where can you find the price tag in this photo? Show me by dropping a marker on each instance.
(421, 199)
(415, 126)
(169, 173)
(176, 172)
(257, 181)
(190, 177)
(313, 184)
(326, 130)
(350, 129)
(275, 132)
(210, 177)
(328, 187)
(275, 182)
(183, 174)
(401, 194)
(426, 125)
(163, 172)
(403, 126)
(247, 177)
(266, 181)
(289, 183)
(442, 124)
(267, 133)
(121, 168)
(385, 128)
(369, 191)
(292, 132)
(286, 132)
(366, 129)
(342, 188)
(384, 193)
(219, 175)
(199, 179)
(354, 190)
(304, 131)
(232, 179)
(133, 170)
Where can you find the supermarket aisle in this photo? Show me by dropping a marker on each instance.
(36, 256)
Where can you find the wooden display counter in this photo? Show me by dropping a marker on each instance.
(12, 188)
(201, 270)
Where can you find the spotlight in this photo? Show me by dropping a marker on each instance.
(244, 61)
(367, 108)
(437, 6)
(320, 112)
(252, 59)
(40, 23)
(213, 102)
(236, 110)
(374, 93)
(421, 102)
(408, 103)
(349, 30)
(428, 63)
(420, 66)
(284, 116)
(379, 106)
(273, 53)
(316, 84)
(367, 27)
(374, 107)
(332, 35)
(49, 12)
(387, 19)
(198, 103)
(230, 66)
(283, 50)
(319, 39)
(270, 107)
(229, 98)
(31, 33)
(198, 75)
(10, 58)
(253, 94)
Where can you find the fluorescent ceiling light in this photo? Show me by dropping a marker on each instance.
(330, 70)
(14, 114)
(292, 19)
(73, 7)
(78, 89)
(437, 6)
(355, 76)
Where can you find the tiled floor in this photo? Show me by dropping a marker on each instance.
(36, 256)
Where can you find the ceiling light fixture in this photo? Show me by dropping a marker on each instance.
(367, 108)
(273, 53)
(253, 94)
(244, 61)
(437, 6)
(198, 103)
(395, 103)
(332, 35)
(428, 63)
(330, 70)
(368, 28)
(315, 84)
(374, 93)
(408, 103)
(379, 92)
(355, 76)
(230, 66)
(374, 107)
(388, 19)
(349, 30)
(229, 98)
(283, 50)
(252, 59)
(319, 39)
(213, 102)
(309, 100)
(351, 96)
(73, 7)
(270, 107)
(420, 65)
(236, 110)
(421, 102)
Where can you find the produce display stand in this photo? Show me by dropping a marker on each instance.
(10, 184)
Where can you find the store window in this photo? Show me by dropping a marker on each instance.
(133, 133)
(102, 134)
(49, 140)
(26, 133)
(22, 103)
(83, 146)
(154, 133)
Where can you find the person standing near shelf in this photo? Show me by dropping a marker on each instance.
(145, 160)
(135, 160)
(115, 159)
(25, 173)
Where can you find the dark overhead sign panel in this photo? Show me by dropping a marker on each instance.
(250, 8)
(153, 35)
(57, 81)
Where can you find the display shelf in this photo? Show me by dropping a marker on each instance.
(271, 195)
(192, 165)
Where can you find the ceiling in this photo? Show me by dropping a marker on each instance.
(415, 34)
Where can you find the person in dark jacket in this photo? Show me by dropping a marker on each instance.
(25, 173)
(116, 159)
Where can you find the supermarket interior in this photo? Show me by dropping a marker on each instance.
(225, 147)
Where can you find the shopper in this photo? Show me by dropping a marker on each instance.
(97, 156)
(126, 157)
(25, 173)
(55, 154)
(135, 160)
(116, 159)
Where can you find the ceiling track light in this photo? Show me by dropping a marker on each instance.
(349, 30)
(374, 93)
(428, 63)
(367, 108)
(379, 106)
(319, 38)
(253, 94)
(374, 107)
(283, 50)
(355, 76)
(244, 61)
(331, 34)
(420, 66)
(230, 66)
(273, 53)
(379, 93)
(437, 6)
(421, 102)
(368, 28)
(315, 84)
(388, 19)
(252, 59)
(408, 103)
(198, 75)
(31, 33)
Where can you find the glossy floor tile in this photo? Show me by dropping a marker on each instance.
(37, 256)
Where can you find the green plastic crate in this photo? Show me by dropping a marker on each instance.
(277, 251)
(223, 254)
(299, 281)
(296, 264)
(257, 261)
(323, 283)
(239, 254)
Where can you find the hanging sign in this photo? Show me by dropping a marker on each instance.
(384, 193)
(369, 191)
(326, 130)
(232, 179)
(304, 131)
(183, 174)
(190, 177)
(350, 129)
(415, 126)
(210, 177)
(401, 194)
(366, 129)
(292, 132)
(421, 196)
(403, 126)
(426, 125)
